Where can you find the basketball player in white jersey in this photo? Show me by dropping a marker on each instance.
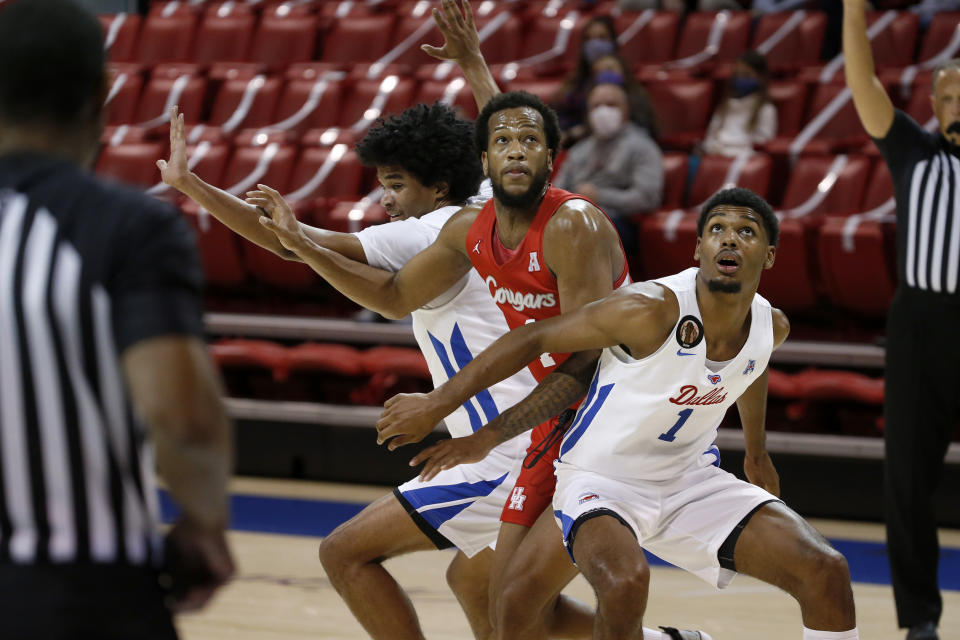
(638, 467)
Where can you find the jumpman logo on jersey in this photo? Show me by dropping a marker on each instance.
(517, 499)
(534, 263)
(476, 248)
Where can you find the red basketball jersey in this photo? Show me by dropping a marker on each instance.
(523, 286)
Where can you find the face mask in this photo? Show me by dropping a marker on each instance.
(608, 77)
(605, 121)
(741, 87)
(596, 49)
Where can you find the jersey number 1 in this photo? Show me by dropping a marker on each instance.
(671, 435)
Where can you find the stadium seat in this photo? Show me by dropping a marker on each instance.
(246, 103)
(124, 93)
(219, 248)
(822, 185)
(675, 167)
(718, 172)
(286, 34)
(501, 32)
(790, 39)
(790, 98)
(414, 26)
(683, 110)
(224, 33)
(359, 39)
(667, 242)
(392, 370)
(880, 187)
(171, 84)
(167, 34)
(120, 34)
(895, 45)
(253, 163)
(546, 89)
(554, 39)
(858, 263)
(309, 103)
(252, 368)
(839, 129)
(919, 107)
(647, 37)
(696, 50)
(456, 92)
(325, 171)
(789, 285)
(336, 358)
(939, 35)
(348, 216)
(370, 99)
(134, 163)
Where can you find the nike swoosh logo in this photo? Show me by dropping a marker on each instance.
(681, 353)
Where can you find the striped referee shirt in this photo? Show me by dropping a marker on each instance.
(926, 177)
(87, 269)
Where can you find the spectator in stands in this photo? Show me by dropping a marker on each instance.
(618, 166)
(746, 115)
(922, 371)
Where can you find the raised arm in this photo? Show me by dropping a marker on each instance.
(393, 295)
(752, 406)
(462, 45)
(241, 217)
(872, 102)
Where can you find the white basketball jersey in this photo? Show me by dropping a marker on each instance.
(652, 418)
(453, 328)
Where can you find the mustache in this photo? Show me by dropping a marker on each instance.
(954, 127)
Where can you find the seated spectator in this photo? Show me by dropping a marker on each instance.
(618, 166)
(746, 115)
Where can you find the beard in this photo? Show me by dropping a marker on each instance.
(723, 286)
(526, 200)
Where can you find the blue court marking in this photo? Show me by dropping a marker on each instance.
(441, 350)
(296, 516)
(463, 356)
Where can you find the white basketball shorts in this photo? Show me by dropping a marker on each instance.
(683, 521)
(460, 507)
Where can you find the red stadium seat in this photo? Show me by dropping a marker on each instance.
(240, 353)
(647, 37)
(350, 216)
(880, 187)
(415, 26)
(822, 185)
(309, 103)
(371, 99)
(696, 50)
(790, 39)
(124, 93)
(224, 34)
(789, 285)
(555, 39)
(455, 92)
(167, 34)
(360, 39)
(790, 98)
(133, 163)
(325, 171)
(270, 163)
(330, 373)
(858, 263)
(940, 34)
(895, 45)
(336, 358)
(546, 89)
(833, 127)
(169, 85)
(667, 242)
(276, 272)
(219, 248)
(120, 32)
(246, 103)
(919, 107)
(675, 167)
(683, 110)
(284, 36)
(501, 32)
(392, 370)
(719, 172)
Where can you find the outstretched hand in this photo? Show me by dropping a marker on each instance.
(175, 170)
(406, 418)
(761, 472)
(197, 563)
(461, 40)
(447, 454)
(278, 217)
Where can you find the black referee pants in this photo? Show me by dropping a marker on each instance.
(82, 603)
(921, 408)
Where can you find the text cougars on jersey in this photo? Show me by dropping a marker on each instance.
(519, 300)
(688, 395)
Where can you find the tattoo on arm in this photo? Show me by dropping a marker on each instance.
(560, 389)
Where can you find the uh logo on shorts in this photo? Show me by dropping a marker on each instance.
(517, 499)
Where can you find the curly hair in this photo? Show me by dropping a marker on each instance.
(739, 197)
(431, 143)
(512, 100)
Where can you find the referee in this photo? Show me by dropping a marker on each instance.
(923, 353)
(101, 354)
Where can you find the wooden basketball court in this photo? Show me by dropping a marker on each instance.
(280, 591)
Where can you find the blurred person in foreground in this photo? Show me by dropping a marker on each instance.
(103, 368)
(920, 405)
